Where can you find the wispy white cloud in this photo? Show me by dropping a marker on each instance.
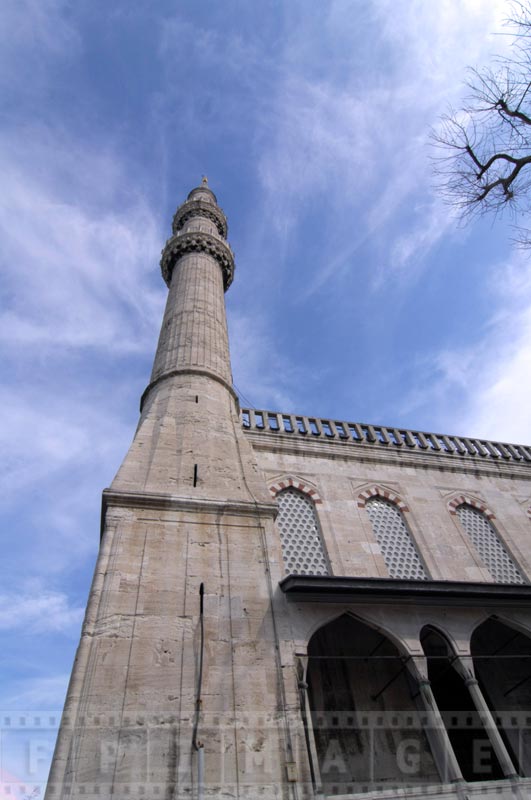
(35, 694)
(40, 611)
(60, 448)
(253, 344)
(32, 33)
(358, 138)
(77, 272)
(443, 38)
(483, 389)
(41, 439)
(499, 376)
(411, 247)
(78, 249)
(322, 134)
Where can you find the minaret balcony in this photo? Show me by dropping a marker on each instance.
(197, 241)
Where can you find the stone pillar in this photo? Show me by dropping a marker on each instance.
(308, 726)
(465, 668)
(450, 764)
(445, 756)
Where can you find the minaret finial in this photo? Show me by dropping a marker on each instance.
(204, 181)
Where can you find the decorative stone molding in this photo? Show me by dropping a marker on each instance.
(200, 208)
(296, 483)
(170, 502)
(198, 241)
(386, 494)
(172, 373)
(464, 499)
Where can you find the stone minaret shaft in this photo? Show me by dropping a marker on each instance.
(197, 265)
(188, 440)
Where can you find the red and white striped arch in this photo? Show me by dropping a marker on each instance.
(463, 499)
(296, 483)
(386, 494)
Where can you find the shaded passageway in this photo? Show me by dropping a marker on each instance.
(365, 720)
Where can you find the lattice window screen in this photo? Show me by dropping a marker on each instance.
(395, 542)
(302, 546)
(485, 539)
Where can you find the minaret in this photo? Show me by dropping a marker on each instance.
(188, 440)
(188, 508)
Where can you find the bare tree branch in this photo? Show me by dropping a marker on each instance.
(513, 112)
(483, 160)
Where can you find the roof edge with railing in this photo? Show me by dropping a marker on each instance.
(293, 425)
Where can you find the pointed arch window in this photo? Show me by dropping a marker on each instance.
(491, 550)
(396, 544)
(302, 544)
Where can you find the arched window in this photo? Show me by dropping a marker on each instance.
(302, 545)
(485, 539)
(391, 533)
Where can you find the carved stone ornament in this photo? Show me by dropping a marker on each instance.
(200, 208)
(197, 241)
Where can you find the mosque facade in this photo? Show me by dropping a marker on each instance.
(294, 607)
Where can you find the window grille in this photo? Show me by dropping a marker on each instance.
(395, 542)
(485, 539)
(302, 547)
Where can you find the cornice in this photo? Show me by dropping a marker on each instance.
(112, 498)
(371, 453)
(346, 589)
(197, 241)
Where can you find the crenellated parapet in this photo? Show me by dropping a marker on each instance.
(193, 242)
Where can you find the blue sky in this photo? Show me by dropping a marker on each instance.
(358, 294)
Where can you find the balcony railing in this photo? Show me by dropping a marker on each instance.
(292, 425)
